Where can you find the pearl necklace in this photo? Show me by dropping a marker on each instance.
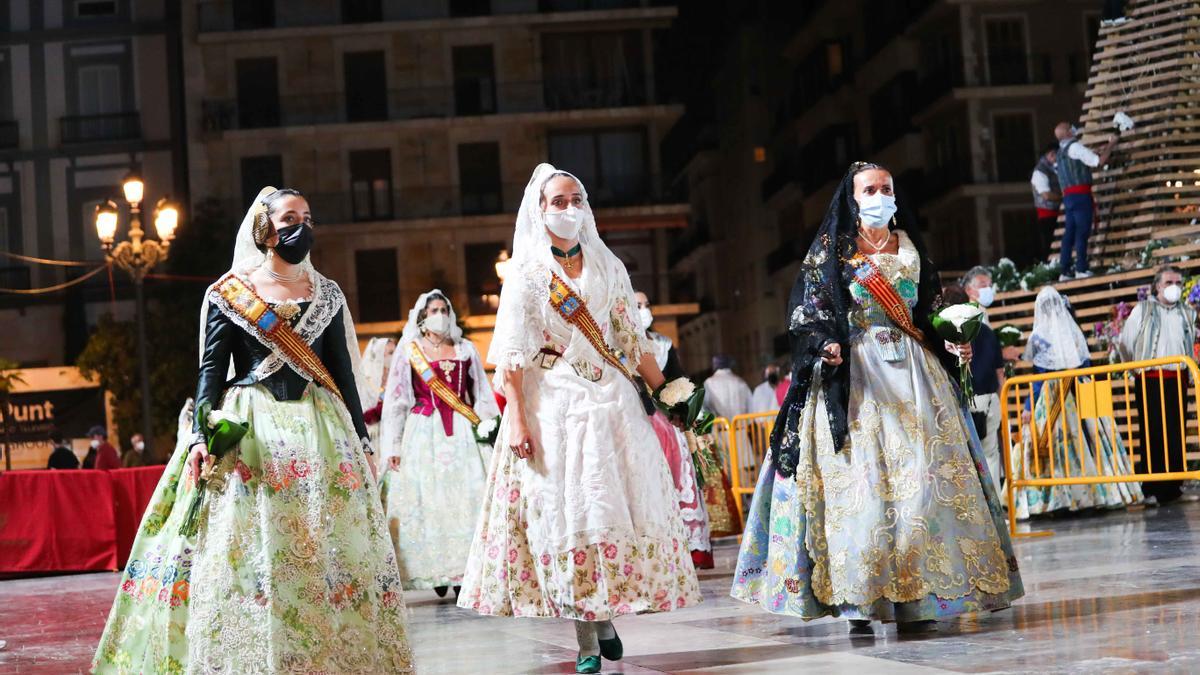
(872, 244)
(283, 278)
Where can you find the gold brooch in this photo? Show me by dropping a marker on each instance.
(287, 310)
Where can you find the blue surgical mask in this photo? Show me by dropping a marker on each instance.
(876, 210)
(987, 295)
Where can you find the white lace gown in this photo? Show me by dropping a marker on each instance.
(590, 527)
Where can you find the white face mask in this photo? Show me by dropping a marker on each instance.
(876, 210)
(987, 296)
(565, 224)
(437, 323)
(95, 443)
(1172, 294)
(139, 446)
(647, 317)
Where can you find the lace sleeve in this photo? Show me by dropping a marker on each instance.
(397, 402)
(484, 400)
(627, 328)
(518, 334)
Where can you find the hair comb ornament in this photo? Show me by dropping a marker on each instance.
(262, 224)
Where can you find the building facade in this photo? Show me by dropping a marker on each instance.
(413, 129)
(86, 97)
(957, 98)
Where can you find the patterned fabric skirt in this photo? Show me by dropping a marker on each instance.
(903, 523)
(1073, 452)
(691, 499)
(433, 500)
(589, 527)
(291, 569)
(723, 518)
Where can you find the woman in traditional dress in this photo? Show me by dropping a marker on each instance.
(875, 504)
(580, 518)
(376, 362)
(290, 568)
(677, 447)
(1065, 444)
(437, 394)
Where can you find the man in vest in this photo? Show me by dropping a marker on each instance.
(1047, 197)
(1074, 166)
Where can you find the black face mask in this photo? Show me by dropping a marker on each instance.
(294, 243)
(773, 379)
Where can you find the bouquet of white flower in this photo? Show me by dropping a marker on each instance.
(681, 400)
(1009, 336)
(486, 431)
(958, 325)
(222, 432)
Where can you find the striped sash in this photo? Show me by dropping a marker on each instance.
(416, 358)
(574, 311)
(274, 331)
(869, 278)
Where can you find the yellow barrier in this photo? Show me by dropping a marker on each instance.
(744, 444)
(1050, 452)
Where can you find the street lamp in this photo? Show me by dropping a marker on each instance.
(137, 256)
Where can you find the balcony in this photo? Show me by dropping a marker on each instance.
(697, 235)
(10, 134)
(1001, 71)
(121, 126)
(463, 99)
(449, 201)
(229, 15)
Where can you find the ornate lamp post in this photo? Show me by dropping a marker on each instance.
(137, 256)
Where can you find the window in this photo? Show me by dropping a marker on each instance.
(593, 70)
(474, 80)
(612, 163)
(371, 184)
(362, 11)
(366, 86)
(479, 178)
(251, 14)
(99, 89)
(483, 286)
(378, 285)
(259, 172)
(1007, 51)
(257, 93)
(1014, 148)
(87, 9)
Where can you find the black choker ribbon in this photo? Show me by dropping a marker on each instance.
(559, 253)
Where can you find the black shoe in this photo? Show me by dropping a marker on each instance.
(441, 590)
(861, 627)
(457, 590)
(612, 649)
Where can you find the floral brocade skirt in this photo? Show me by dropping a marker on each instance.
(589, 527)
(291, 569)
(433, 500)
(903, 523)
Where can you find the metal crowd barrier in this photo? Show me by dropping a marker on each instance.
(743, 443)
(1104, 398)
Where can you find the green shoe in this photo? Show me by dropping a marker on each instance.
(587, 664)
(612, 649)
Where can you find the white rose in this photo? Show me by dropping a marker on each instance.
(486, 427)
(215, 417)
(677, 392)
(961, 314)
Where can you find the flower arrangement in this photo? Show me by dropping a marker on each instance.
(1006, 276)
(486, 431)
(222, 432)
(958, 325)
(1108, 332)
(682, 401)
(1009, 336)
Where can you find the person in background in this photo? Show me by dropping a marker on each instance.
(977, 284)
(726, 394)
(987, 376)
(1047, 198)
(102, 454)
(781, 389)
(1074, 168)
(764, 398)
(1157, 327)
(61, 457)
(133, 456)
